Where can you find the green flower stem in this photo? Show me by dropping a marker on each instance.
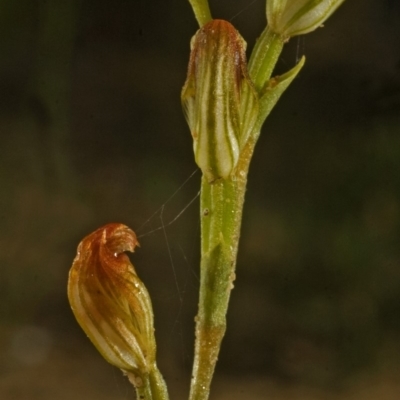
(201, 10)
(151, 387)
(264, 57)
(158, 386)
(143, 391)
(221, 215)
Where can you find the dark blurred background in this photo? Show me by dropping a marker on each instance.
(91, 132)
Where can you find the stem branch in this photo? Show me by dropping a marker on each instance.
(264, 57)
(201, 10)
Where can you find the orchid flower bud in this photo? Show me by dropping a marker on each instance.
(216, 84)
(297, 17)
(110, 302)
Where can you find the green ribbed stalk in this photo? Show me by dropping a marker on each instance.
(201, 10)
(221, 206)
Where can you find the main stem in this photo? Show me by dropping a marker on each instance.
(221, 207)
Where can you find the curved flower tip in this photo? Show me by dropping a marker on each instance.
(216, 84)
(297, 17)
(110, 302)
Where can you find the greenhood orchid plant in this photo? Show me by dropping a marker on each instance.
(226, 101)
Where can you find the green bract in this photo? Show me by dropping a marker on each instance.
(296, 17)
(216, 84)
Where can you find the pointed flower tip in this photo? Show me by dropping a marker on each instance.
(211, 98)
(110, 302)
(296, 17)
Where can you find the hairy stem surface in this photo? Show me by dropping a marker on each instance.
(221, 208)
